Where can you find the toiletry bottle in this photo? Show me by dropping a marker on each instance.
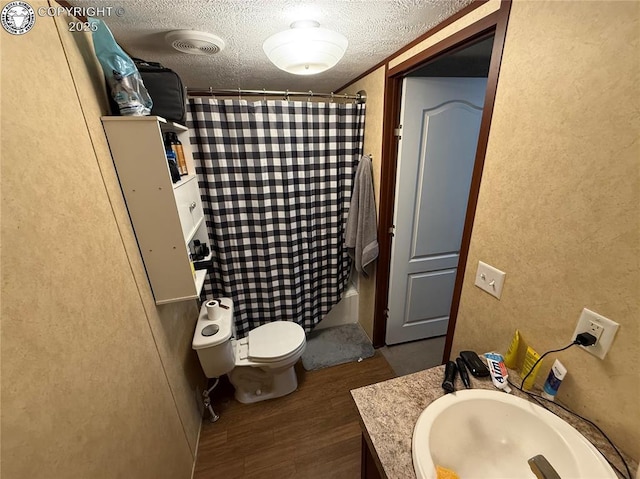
(173, 165)
(551, 385)
(176, 146)
(511, 358)
(530, 359)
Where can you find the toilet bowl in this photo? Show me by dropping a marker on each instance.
(261, 365)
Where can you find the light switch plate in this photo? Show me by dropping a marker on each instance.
(490, 279)
(609, 329)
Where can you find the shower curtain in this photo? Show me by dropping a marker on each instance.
(275, 179)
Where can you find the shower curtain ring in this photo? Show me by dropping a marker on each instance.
(310, 95)
(239, 94)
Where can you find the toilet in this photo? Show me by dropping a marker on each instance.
(261, 365)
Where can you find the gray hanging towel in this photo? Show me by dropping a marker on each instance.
(362, 230)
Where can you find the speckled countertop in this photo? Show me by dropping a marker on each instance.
(390, 409)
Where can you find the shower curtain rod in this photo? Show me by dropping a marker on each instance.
(359, 97)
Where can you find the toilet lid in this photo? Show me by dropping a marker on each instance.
(275, 340)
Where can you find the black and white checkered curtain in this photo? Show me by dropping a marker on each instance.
(276, 180)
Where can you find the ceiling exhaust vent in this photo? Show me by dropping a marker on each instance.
(195, 43)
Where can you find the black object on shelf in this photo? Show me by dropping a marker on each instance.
(198, 265)
(200, 251)
(449, 377)
(165, 89)
(173, 166)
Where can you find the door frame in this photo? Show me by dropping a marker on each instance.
(493, 24)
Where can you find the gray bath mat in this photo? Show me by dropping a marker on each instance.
(336, 345)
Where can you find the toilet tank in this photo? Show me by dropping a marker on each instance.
(212, 340)
(217, 360)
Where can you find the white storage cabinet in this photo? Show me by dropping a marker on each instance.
(166, 216)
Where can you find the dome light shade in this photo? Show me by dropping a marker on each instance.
(305, 49)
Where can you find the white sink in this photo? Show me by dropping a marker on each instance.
(490, 434)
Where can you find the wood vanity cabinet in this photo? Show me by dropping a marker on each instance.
(166, 216)
(368, 467)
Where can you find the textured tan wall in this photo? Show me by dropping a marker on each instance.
(172, 325)
(559, 206)
(373, 85)
(84, 393)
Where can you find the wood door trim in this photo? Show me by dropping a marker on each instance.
(447, 45)
(456, 16)
(497, 23)
(391, 115)
(483, 140)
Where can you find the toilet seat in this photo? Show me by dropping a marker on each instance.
(272, 342)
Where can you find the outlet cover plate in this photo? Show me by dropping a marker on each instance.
(490, 279)
(609, 329)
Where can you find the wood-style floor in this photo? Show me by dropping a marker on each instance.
(311, 433)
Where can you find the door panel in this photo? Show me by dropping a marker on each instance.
(435, 262)
(440, 120)
(435, 303)
(444, 177)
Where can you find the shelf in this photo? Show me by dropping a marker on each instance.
(201, 275)
(193, 232)
(151, 118)
(164, 123)
(172, 126)
(162, 217)
(183, 180)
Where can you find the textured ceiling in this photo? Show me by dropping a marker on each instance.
(375, 29)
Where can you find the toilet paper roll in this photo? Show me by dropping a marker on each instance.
(213, 309)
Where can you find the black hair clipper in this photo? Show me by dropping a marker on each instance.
(449, 377)
(464, 375)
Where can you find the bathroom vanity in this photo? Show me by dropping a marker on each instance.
(389, 411)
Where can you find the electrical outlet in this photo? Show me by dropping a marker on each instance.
(596, 330)
(490, 279)
(602, 328)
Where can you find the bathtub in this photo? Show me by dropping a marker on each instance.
(346, 310)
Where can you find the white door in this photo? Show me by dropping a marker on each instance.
(440, 120)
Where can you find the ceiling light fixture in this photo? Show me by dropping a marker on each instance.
(305, 49)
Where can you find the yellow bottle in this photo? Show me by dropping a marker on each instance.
(511, 358)
(529, 360)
